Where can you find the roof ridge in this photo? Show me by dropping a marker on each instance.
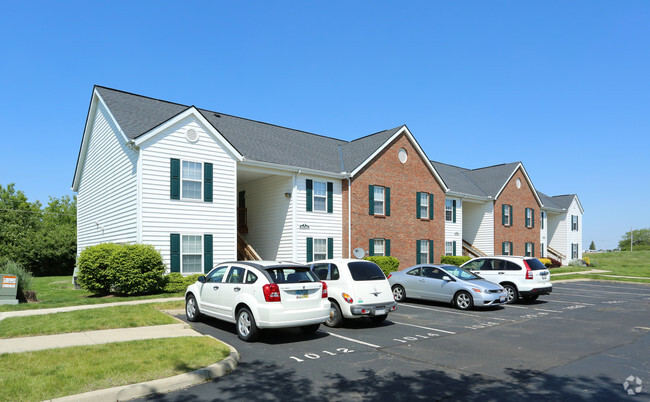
(493, 166)
(449, 164)
(378, 132)
(142, 96)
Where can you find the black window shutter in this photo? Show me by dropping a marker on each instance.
(387, 247)
(175, 252)
(418, 250)
(532, 217)
(207, 253)
(387, 203)
(430, 251)
(431, 206)
(330, 197)
(207, 182)
(175, 179)
(330, 247)
(512, 249)
(417, 205)
(511, 215)
(371, 199)
(371, 247)
(532, 247)
(454, 248)
(310, 194)
(310, 249)
(503, 214)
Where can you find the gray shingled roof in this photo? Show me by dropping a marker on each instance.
(548, 201)
(255, 140)
(482, 182)
(564, 201)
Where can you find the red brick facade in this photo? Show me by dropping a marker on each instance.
(520, 199)
(402, 227)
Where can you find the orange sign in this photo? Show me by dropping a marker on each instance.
(9, 281)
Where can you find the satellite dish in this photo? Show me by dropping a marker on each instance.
(359, 253)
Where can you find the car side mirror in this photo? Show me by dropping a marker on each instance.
(201, 279)
(446, 278)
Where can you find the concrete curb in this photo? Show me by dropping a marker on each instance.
(599, 280)
(160, 386)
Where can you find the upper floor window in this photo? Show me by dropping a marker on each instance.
(424, 205)
(320, 196)
(574, 223)
(530, 218)
(192, 180)
(506, 215)
(379, 200)
(542, 218)
(450, 211)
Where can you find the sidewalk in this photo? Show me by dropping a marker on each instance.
(591, 271)
(35, 343)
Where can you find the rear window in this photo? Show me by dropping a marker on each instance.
(535, 264)
(366, 271)
(292, 275)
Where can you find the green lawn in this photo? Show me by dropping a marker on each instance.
(624, 263)
(53, 373)
(58, 291)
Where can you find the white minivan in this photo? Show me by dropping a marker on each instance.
(356, 289)
(524, 277)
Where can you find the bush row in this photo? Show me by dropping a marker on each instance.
(387, 264)
(456, 260)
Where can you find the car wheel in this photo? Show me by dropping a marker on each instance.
(246, 328)
(399, 294)
(463, 301)
(192, 309)
(378, 318)
(530, 298)
(310, 329)
(511, 290)
(336, 318)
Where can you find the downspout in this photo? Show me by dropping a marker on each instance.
(349, 202)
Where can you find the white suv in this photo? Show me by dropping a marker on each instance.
(260, 294)
(524, 277)
(357, 288)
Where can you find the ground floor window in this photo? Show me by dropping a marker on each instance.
(320, 249)
(191, 254)
(506, 248)
(450, 248)
(529, 250)
(424, 251)
(574, 251)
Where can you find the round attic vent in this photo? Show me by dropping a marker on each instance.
(192, 135)
(402, 155)
(518, 182)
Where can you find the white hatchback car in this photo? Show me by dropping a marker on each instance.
(524, 277)
(357, 288)
(260, 294)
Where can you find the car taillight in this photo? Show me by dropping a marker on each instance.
(347, 298)
(529, 272)
(271, 292)
(324, 294)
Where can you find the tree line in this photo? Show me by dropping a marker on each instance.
(40, 238)
(640, 240)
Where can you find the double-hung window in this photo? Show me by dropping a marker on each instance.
(450, 210)
(506, 215)
(529, 250)
(574, 223)
(574, 251)
(319, 249)
(506, 248)
(379, 200)
(320, 196)
(424, 252)
(379, 247)
(423, 205)
(450, 248)
(542, 216)
(530, 218)
(192, 180)
(191, 254)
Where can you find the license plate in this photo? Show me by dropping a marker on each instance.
(301, 294)
(380, 311)
(544, 276)
(502, 298)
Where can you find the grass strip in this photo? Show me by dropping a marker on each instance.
(88, 320)
(47, 374)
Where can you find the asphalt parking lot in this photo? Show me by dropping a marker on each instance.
(581, 343)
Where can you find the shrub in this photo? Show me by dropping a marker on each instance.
(546, 261)
(136, 269)
(456, 260)
(554, 263)
(586, 260)
(176, 282)
(24, 278)
(577, 263)
(94, 272)
(387, 264)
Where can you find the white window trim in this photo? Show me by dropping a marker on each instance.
(449, 208)
(313, 253)
(424, 251)
(200, 198)
(506, 214)
(449, 248)
(383, 200)
(314, 196)
(529, 217)
(383, 247)
(183, 254)
(506, 248)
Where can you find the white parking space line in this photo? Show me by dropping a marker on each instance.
(581, 296)
(452, 312)
(598, 285)
(430, 329)
(592, 291)
(350, 339)
(533, 308)
(570, 302)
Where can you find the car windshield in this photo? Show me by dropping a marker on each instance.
(460, 273)
(366, 271)
(535, 264)
(291, 274)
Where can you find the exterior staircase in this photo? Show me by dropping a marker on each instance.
(556, 254)
(246, 252)
(471, 251)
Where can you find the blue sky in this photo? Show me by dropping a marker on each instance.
(562, 86)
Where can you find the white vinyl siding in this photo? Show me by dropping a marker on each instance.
(574, 235)
(478, 225)
(454, 230)
(560, 236)
(107, 196)
(162, 216)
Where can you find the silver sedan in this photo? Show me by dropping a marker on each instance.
(446, 283)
